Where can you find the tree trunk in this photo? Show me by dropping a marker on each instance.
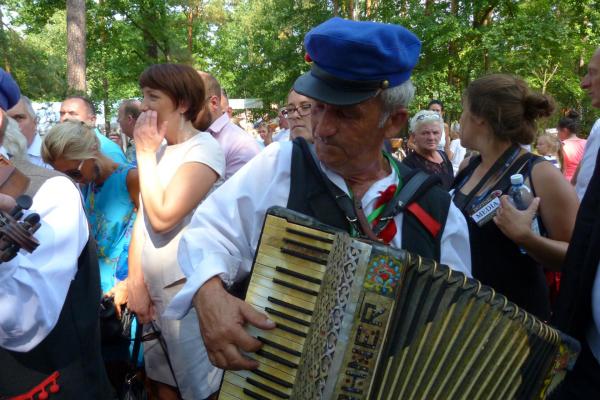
(428, 5)
(351, 8)
(76, 81)
(190, 30)
(106, 105)
(105, 84)
(3, 44)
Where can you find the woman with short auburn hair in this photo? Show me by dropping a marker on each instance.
(178, 167)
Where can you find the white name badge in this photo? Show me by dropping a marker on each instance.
(486, 211)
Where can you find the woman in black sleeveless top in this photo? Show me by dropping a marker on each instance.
(426, 128)
(499, 113)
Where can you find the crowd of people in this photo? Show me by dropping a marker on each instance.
(162, 218)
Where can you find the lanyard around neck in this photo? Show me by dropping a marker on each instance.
(499, 168)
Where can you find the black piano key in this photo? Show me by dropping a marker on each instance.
(306, 246)
(295, 287)
(267, 388)
(272, 378)
(276, 358)
(279, 346)
(306, 257)
(254, 395)
(291, 330)
(309, 235)
(288, 317)
(298, 275)
(289, 305)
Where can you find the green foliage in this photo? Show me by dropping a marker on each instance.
(37, 60)
(255, 47)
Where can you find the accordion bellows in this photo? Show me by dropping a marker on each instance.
(360, 320)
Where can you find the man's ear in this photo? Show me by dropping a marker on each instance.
(215, 103)
(396, 122)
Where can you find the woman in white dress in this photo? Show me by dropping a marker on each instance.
(178, 166)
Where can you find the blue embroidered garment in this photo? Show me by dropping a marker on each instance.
(111, 215)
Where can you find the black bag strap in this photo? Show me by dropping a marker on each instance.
(163, 345)
(416, 184)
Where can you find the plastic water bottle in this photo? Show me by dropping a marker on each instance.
(521, 197)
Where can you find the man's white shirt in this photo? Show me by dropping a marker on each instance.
(34, 152)
(33, 287)
(588, 162)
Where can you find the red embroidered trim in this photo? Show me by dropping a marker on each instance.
(424, 218)
(41, 389)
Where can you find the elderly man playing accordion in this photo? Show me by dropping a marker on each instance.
(360, 81)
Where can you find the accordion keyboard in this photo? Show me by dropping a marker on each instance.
(358, 320)
(288, 268)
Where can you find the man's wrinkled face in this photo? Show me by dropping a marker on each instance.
(76, 109)
(347, 138)
(27, 123)
(591, 81)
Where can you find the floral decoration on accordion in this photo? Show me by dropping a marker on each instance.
(383, 275)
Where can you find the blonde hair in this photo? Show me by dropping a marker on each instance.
(72, 140)
(14, 142)
(552, 140)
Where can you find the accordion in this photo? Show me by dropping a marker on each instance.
(360, 320)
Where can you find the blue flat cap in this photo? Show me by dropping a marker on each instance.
(9, 91)
(354, 60)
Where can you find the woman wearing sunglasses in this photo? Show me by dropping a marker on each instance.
(178, 167)
(111, 198)
(72, 148)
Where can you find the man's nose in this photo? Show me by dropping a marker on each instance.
(325, 122)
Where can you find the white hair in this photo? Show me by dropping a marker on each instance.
(425, 117)
(395, 98)
(29, 107)
(14, 142)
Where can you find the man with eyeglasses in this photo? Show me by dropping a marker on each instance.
(49, 332)
(297, 112)
(360, 84)
(237, 145)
